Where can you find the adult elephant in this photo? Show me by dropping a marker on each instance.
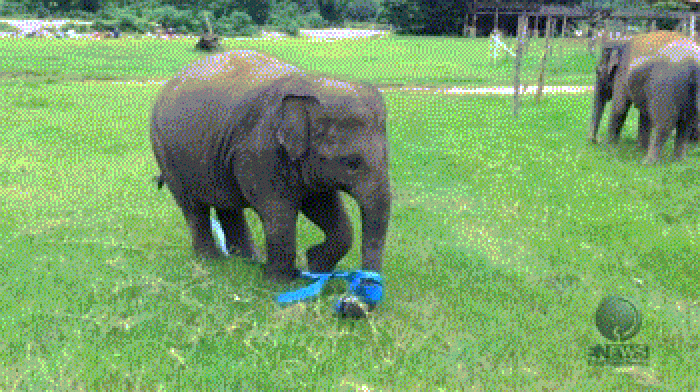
(244, 130)
(658, 73)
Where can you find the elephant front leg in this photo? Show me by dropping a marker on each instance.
(597, 113)
(327, 211)
(617, 118)
(237, 233)
(279, 223)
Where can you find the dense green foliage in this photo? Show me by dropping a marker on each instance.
(289, 17)
(243, 17)
(238, 17)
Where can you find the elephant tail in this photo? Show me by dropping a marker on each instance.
(159, 180)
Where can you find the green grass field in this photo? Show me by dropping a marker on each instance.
(505, 235)
(395, 61)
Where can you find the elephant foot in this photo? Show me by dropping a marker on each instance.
(280, 275)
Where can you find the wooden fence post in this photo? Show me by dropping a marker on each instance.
(692, 25)
(495, 21)
(548, 32)
(540, 82)
(526, 32)
(464, 27)
(563, 27)
(522, 30)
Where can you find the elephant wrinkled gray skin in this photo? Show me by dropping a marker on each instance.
(245, 130)
(658, 73)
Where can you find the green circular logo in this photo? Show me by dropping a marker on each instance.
(617, 319)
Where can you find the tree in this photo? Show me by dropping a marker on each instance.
(257, 9)
(361, 10)
(331, 10)
(406, 15)
(90, 5)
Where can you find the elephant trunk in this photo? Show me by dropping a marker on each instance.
(375, 205)
(598, 106)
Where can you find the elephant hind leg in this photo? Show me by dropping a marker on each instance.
(326, 210)
(644, 129)
(664, 118)
(197, 218)
(684, 131)
(237, 233)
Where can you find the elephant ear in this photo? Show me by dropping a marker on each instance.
(616, 53)
(293, 125)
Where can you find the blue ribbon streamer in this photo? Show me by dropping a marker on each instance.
(219, 235)
(367, 285)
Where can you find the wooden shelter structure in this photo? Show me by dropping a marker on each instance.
(484, 16)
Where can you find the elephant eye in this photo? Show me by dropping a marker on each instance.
(353, 161)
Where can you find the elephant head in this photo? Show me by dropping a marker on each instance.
(334, 135)
(606, 71)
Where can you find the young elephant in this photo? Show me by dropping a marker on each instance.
(244, 130)
(658, 73)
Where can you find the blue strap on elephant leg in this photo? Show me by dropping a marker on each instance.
(310, 291)
(219, 235)
(318, 275)
(367, 285)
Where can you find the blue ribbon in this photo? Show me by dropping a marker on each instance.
(219, 235)
(366, 285)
